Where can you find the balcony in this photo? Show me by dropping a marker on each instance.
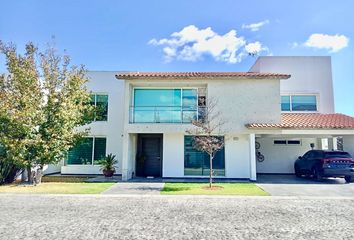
(165, 114)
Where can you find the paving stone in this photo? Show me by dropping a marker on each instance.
(174, 217)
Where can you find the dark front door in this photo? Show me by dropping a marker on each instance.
(149, 160)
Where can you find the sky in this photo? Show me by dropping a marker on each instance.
(186, 35)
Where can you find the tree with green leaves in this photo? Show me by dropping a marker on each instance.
(43, 102)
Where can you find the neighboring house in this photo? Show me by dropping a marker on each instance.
(282, 106)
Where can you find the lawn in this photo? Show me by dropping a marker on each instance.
(58, 188)
(242, 189)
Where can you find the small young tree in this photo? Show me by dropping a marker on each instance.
(43, 101)
(208, 133)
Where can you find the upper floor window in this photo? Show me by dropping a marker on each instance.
(174, 105)
(100, 101)
(299, 103)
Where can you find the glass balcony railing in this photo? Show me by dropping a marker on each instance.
(165, 114)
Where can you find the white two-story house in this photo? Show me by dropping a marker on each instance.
(273, 113)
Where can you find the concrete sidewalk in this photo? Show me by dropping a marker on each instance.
(141, 188)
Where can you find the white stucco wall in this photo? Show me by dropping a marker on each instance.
(132, 150)
(237, 156)
(309, 75)
(173, 155)
(105, 82)
(281, 158)
(246, 101)
(52, 168)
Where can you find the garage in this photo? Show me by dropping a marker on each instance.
(280, 152)
(278, 145)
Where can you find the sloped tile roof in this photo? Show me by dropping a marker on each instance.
(308, 121)
(137, 75)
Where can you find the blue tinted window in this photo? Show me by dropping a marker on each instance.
(285, 103)
(303, 103)
(164, 106)
(189, 105)
(157, 97)
(189, 98)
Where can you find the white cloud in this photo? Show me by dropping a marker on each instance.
(255, 26)
(333, 43)
(255, 48)
(191, 44)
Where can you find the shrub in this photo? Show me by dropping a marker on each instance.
(8, 171)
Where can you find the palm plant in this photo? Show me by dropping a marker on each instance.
(108, 165)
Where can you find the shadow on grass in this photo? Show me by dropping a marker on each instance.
(175, 189)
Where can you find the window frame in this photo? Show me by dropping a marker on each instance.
(290, 95)
(287, 142)
(92, 154)
(95, 105)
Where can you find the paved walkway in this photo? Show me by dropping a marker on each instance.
(99, 217)
(98, 179)
(143, 188)
(289, 185)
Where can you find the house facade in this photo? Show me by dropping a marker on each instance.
(273, 113)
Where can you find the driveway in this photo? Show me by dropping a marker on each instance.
(174, 217)
(289, 185)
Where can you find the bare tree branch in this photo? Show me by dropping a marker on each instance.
(208, 133)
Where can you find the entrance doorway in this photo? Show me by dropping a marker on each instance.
(149, 155)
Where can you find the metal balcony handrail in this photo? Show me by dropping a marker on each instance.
(160, 110)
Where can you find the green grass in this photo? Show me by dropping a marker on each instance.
(241, 189)
(57, 188)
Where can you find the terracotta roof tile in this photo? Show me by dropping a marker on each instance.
(181, 75)
(308, 121)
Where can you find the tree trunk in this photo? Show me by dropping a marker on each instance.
(211, 171)
(29, 174)
(39, 174)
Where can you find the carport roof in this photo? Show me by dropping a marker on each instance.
(308, 121)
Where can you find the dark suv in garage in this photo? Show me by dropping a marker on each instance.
(323, 163)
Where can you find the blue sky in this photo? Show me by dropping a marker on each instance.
(117, 35)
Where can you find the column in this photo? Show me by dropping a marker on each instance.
(332, 143)
(253, 169)
(125, 157)
(348, 144)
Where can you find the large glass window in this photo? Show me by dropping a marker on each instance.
(100, 101)
(164, 106)
(88, 151)
(303, 103)
(189, 105)
(197, 163)
(285, 103)
(299, 103)
(99, 149)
